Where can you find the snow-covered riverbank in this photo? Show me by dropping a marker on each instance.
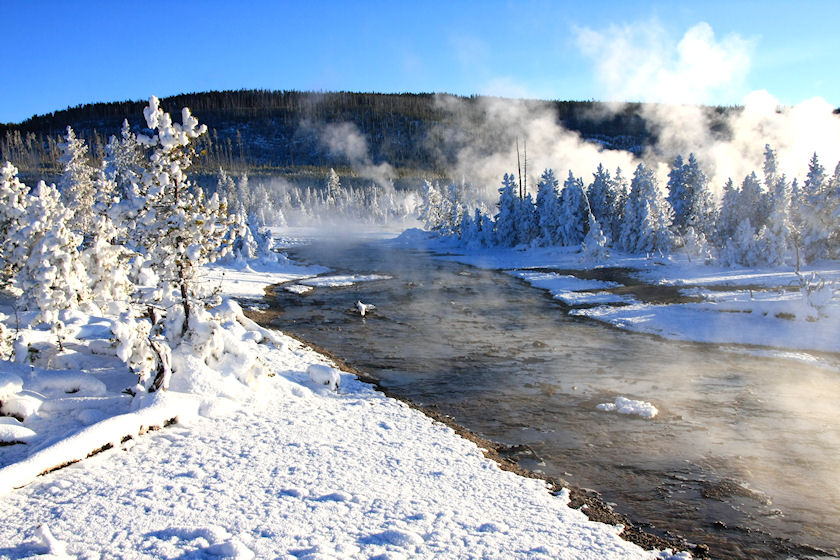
(725, 305)
(273, 466)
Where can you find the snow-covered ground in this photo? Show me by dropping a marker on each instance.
(272, 464)
(765, 307)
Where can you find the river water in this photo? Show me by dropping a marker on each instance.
(743, 455)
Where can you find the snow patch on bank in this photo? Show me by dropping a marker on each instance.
(341, 280)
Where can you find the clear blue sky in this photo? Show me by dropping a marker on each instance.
(63, 53)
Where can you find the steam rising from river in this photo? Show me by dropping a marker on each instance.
(673, 78)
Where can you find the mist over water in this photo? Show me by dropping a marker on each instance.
(743, 452)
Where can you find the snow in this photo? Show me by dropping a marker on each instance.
(623, 405)
(10, 383)
(341, 280)
(749, 306)
(264, 460)
(571, 290)
(324, 375)
(11, 430)
(363, 308)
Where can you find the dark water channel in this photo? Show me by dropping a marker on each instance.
(743, 455)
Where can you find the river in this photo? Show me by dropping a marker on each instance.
(743, 455)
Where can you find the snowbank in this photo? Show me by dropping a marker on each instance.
(765, 307)
(275, 454)
(300, 471)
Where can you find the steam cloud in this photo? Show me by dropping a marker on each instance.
(640, 62)
(674, 77)
(345, 139)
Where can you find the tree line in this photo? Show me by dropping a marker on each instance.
(767, 219)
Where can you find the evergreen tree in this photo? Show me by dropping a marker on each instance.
(180, 229)
(679, 196)
(690, 198)
(729, 216)
(573, 212)
(703, 213)
(51, 276)
(528, 227)
(506, 218)
(432, 210)
(123, 164)
(603, 200)
(594, 246)
(743, 247)
(647, 216)
(754, 202)
(620, 190)
(547, 207)
(13, 201)
(77, 183)
(777, 241)
(333, 188)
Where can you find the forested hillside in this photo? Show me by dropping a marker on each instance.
(292, 131)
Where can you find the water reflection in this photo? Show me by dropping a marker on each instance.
(744, 450)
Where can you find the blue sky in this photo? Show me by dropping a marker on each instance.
(63, 53)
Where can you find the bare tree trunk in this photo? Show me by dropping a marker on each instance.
(185, 297)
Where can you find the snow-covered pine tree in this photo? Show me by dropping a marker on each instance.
(180, 229)
(548, 208)
(777, 241)
(620, 190)
(753, 202)
(573, 211)
(76, 184)
(690, 198)
(123, 164)
(506, 219)
(743, 247)
(333, 188)
(51, 276)
(594, 247)
(432, 209)
(679, 196)
(528, 227)
(819, 212)
(13, 201)
(603, 200)
(471, 235)
(728, 218)
(226, 187)
(106, 263)
(647, 216)
(703, 211)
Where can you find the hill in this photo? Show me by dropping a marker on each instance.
(296, 132)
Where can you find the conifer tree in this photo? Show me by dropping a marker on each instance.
(51, 276)
(573, 211)
(753, 202)
(506, 218)
(333, 188)
(603, 200)
(547, 208)
(179, 228)
(77, 183)
(13, 201)
(728, 217)
(647, 216)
